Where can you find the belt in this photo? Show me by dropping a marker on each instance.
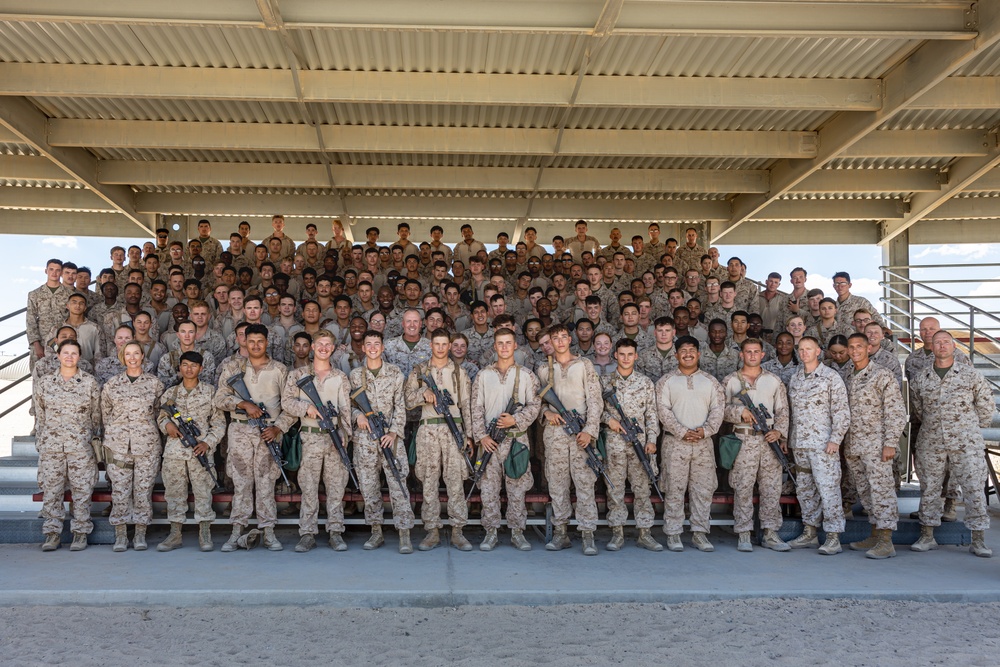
(242, 421)
(312, 429)
(743, 430)
(439, 420)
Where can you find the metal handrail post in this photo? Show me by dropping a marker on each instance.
(972, 336)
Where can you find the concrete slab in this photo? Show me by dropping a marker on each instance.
(446, 577)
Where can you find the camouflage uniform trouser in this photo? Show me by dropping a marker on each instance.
(818, 489)
(320, 461)
(951, 488)
(849, 492)
(876, 483)
(368, 462)
(565, 461)
(489, 491)
(437, 457)
(622, 464)
(689, 467)
(177, 472)
(56, 471)
(756, 464)
(132, 487)
(253, 472)
(968, 470)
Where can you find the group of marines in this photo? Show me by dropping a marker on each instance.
(626, 364)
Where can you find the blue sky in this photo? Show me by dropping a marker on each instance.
(29, 254)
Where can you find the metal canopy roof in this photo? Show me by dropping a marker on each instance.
(780, 121)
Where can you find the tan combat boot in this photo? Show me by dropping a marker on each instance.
(376, 540)
(231, 543)
(744, 544)
(883, 547)
(52, 542)
(978, 546)
(950, 511)
(205, 536)
(271, 542)
(926, 541)
(173, 540)
(79, 542)
(773, 542)
(139, 538)
(490, 541)
(560, 539)
(589, 548)
(121, 538)
(832, 545)
(250, 540)
(306, 543)
(807, 540)
(336, 542)
(867, 543)
(431, 540)
(646, 541)
(518, 541)
(617, 539)
(405, 545)
(459, 541)
(701, 543)
(674, 543)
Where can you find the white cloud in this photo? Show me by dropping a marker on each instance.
(68, 242)
(964, 250)
(986, 289)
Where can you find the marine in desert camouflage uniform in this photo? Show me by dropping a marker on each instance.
(194, 401)
(575, 382)
(130, 403)
(756, 463)
(877, 421)
(820, 416)
(635, 395)
(493, 388)
(320, 460)
(67, 418)
(953, 402)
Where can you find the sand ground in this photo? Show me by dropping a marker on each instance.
(771, 633)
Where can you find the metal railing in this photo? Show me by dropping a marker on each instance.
(10, 362)
(968, 311)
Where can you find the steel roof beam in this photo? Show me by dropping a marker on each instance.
(31, 126)
(889, 20)
(916, 75)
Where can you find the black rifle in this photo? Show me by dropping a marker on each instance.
(631, 435)
(574, 424)
(498, 435)
(443, 407)
(760, 416)
(239, 387)
(379, 427)
(327, 413)
(189, 438)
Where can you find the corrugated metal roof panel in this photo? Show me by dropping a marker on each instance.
(807, 196)
(746, 56)
(17, 149)
(539, 53)
(69, 183)
(436, 160)
(944, 119)
(986, 64)
(890, 163)
(167, 155)
(119, 44)
(120, 108)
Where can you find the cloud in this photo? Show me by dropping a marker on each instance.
(68, 242)
(964, 250)
(987, 289)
